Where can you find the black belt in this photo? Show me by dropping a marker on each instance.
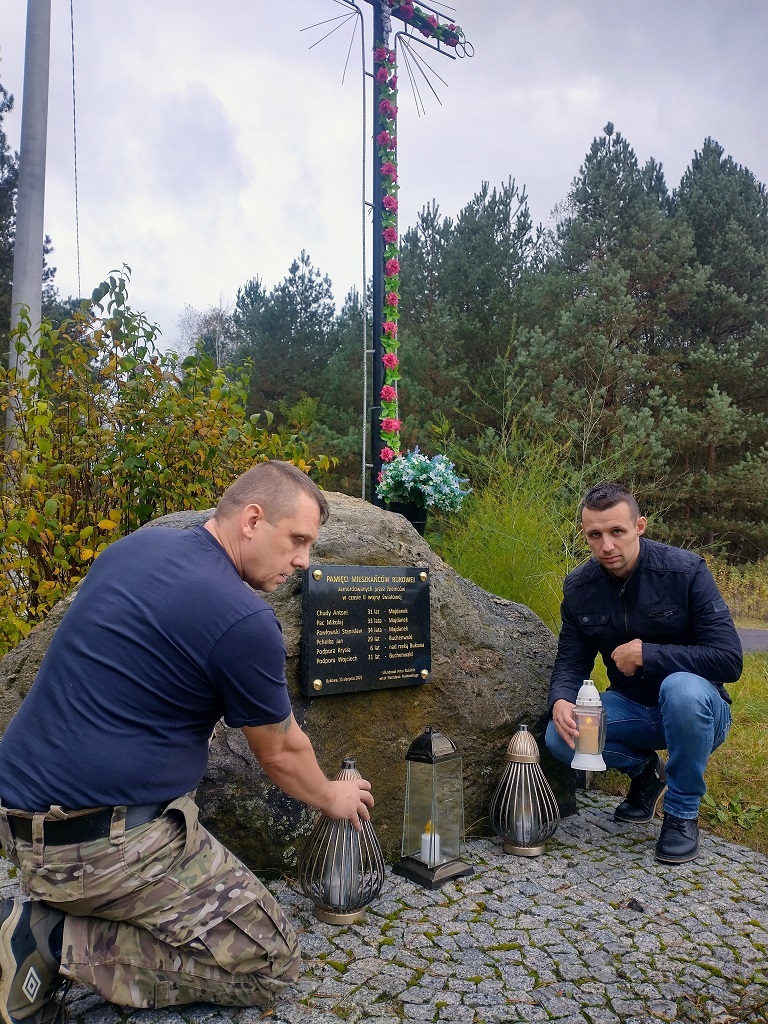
(85, 827)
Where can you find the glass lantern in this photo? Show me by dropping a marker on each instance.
(340, 869)
(590, 721)
(433, 825)
(524, 810)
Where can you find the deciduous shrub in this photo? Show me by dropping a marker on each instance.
(107, 432)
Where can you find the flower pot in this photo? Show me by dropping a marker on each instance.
(415, 513)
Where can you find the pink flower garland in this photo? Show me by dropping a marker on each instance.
(428, 24)
(386, 78)
(386, 141)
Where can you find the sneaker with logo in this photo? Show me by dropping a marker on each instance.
(29, 970)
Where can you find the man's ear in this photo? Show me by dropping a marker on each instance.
(642, 522)
(251, 515)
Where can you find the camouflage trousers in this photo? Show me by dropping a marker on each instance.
(161, 914)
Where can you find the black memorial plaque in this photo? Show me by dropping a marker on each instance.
(364, 627)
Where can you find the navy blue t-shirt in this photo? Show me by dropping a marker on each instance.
(161, 641)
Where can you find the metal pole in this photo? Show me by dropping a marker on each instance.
(377, 377)
(30, 197)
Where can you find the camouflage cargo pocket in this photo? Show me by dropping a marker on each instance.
(60, 879)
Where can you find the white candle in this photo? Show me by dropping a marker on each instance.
(430, 846)
(332, 886)
(589, 734)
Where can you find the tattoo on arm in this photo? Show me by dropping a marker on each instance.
(283, 726)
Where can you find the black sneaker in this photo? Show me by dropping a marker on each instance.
(645, 791)
(29, 973)
(679, 840)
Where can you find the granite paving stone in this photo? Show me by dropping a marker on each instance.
(595, 931)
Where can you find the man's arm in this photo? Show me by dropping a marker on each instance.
(715, 652)
(574, 661)
(287, 756)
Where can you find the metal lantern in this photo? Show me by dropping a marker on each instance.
(590, 721)
(433, 826)
(340, 869)
(524, 811)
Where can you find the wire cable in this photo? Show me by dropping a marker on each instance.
(364, 295)
(74, 141)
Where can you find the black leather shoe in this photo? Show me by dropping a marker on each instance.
(679, 839)
(645, 791)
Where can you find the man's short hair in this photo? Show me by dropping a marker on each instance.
(274, 486)
(606, 495)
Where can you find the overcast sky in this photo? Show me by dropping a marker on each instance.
(213, 144)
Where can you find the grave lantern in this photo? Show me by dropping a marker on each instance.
(433, 825)
(523, 810)
(590, 721)
(340, 869)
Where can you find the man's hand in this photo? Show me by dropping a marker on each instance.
(351, 799)
(565, 723)
(286, 755)
(629, 657)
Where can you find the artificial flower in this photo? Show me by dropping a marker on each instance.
(389, 203)
(382, 75)
(388, 393)
(386, 456)
(383, 138)
(390, 360)
(389, 235)
(414, 477)
(380, 54)
(387, 109)
(389, 170)
(392, 267)
(392, 299)
(390, 426)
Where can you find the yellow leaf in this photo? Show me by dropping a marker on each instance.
(106, 524)
(85, 554)
(115, 514)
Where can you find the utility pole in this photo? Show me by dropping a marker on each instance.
(30, 196)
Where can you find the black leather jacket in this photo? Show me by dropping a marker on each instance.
(670, 602)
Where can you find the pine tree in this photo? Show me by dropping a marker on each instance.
(287, 335)
(619, 270)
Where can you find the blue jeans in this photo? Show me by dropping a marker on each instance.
(690, 721)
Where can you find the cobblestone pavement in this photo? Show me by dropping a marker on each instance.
(593, 932)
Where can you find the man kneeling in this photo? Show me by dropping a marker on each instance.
(668, 642)
(130, 895)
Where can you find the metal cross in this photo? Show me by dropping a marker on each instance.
(395, 22)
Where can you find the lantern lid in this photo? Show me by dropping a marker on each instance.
(588, 695)
(348, 770)
(431, 747)
(523, 747)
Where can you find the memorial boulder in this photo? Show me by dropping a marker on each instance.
(490, 664)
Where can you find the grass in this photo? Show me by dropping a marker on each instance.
(512, 537)
(737, 808)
